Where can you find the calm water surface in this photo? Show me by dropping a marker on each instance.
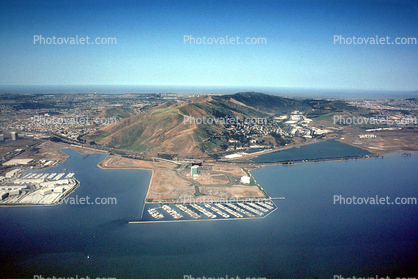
(307, 237)
(320, 150)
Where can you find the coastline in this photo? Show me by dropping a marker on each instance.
(250, 156)
(102, 166)
(334, 159)
(253, 166)
(46, 204)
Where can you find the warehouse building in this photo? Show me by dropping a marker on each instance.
(245, 179)
(194, 170)
(14, 135)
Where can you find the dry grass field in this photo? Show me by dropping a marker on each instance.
(167, 182)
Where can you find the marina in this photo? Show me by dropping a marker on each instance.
(172, 212)
(188, 211)
(207, 211)
(258, 207)
(267, 205)
(154, 213)
(223, 214)
(204, 211)
(233, 206)
(236, 214)
(59, 176)
(249, 208)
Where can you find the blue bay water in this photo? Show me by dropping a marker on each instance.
(320, 150)
(307, 237)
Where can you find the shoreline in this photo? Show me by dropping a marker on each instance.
(251, 156)
(46, 204)
(255, 166)
(334, 159)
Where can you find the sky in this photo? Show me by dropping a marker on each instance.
(298, 51)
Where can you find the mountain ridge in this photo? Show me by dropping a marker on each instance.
(164, 129)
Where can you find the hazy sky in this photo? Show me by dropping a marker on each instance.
(150, 49)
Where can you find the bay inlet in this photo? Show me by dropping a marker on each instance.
(307, 236)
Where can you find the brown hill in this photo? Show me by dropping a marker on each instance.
(164, 129)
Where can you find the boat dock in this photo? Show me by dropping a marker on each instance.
(59, 176)
(237, 208)
(188, 211)
(172, 212)
(154, 213)
(227, 209)
(223, 214)
(206, 211)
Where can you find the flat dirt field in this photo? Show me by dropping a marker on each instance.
(12, 145)
(49, 150)
(164, 184)
(384, 142)
(210, 178)
(168, 185)
(119, 162)
(46, 150)
(235, 191)
(83, 150)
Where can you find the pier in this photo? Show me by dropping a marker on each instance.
(152, 213)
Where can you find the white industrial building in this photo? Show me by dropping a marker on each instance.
(15, 162)
(14, 135)
(11, 187)
(232, 156)
(194, 170)
(10, 174)
(14, 192)
(245, 179)
(29, 181)
(55, 183)
(59, 190)
(46, 191)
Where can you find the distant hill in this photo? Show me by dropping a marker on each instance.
(162, 129)
(266, 103)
